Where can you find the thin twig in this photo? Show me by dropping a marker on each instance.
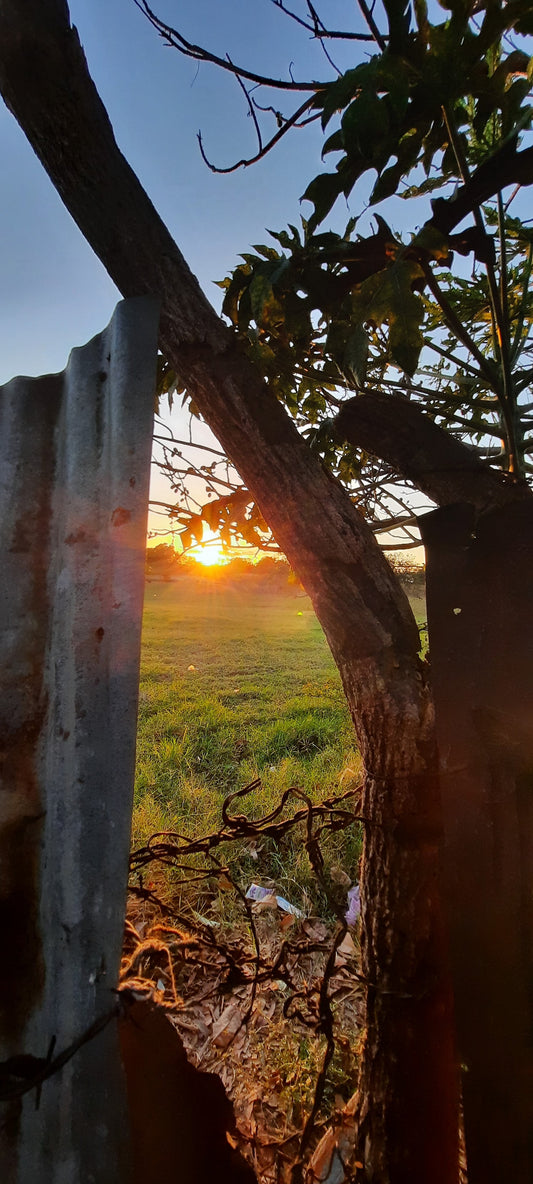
(176, 39)
(290, 122)
(318, 29)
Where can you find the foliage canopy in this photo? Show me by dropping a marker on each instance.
(440, 316)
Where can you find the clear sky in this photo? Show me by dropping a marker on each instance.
(54, 292)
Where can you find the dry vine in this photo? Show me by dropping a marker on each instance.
(244, 968)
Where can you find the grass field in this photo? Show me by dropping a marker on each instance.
(237, 685)
(263, 700)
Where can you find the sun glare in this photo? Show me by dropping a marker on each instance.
(209, 554)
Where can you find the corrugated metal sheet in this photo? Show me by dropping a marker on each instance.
(74, 473)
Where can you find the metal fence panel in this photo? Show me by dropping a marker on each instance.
(74, 474)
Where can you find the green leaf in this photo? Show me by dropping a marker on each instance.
(285, 239)
(335, 143)
(323, 193)
(266, 252)
(387, 183)
(244, 315)
(355, 358)
(364, 126)
(347, 345)
(405, 342)
(337, 95)
(266, 310)
(297, 319)
(313, 405)
(388, 297)
(237, 284)
(432, 241)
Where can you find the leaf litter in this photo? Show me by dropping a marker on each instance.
(269, 1000)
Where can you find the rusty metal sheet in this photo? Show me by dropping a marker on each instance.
(74, 474)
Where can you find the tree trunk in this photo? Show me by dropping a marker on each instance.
(399, 432)
(404, 950)
(409, 1096)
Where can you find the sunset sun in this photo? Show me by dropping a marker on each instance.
(209, 553)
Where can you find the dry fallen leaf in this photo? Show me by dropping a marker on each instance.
(316, 930)
(345, 951)
(226, 1027)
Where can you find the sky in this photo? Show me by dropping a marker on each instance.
(54, 292)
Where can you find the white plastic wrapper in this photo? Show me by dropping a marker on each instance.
(256, 892)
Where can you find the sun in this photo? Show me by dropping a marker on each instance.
(209, 553)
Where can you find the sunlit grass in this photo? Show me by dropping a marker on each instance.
(238, 686)
(264, 700)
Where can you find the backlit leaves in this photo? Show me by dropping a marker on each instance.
(388, 296)
(394, 110)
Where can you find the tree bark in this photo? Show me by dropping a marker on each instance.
(440, 465)
(408, 1080)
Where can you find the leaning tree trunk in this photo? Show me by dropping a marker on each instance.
(404, 947)
(479, 554)
(408, 1086)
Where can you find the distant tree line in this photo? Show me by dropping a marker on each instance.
(163, 562)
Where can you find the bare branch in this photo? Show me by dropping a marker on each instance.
(252, 113)
(505, 167)
(457, 326)
(411, 546)
(189, 50)
(384, 524)
(459, 362)
(444, 468)
(369, 18)
(292, 121)
(318, 29)
(171, 439)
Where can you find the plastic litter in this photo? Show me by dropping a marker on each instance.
(256, 892)
(354, 905)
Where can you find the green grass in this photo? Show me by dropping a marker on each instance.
(264, 700)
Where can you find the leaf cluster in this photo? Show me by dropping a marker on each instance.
(441, 316)
(395, 111)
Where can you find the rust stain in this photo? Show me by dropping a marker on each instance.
(120, 516)
(75, 537)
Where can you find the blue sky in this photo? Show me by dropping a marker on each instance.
(54, 293)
